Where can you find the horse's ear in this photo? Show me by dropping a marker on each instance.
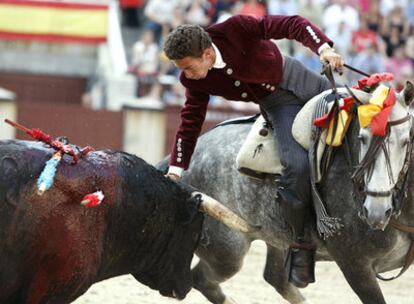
(362, 96)
(408, 93)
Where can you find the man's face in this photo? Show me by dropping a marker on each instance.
(195, 67)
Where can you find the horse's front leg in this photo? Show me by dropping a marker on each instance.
(361, 277)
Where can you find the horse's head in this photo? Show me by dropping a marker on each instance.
(383, 160)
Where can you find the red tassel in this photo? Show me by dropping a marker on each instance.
(379, 122)
(347, 106)
(373, 80)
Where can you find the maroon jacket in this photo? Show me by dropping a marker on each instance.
(253, 70)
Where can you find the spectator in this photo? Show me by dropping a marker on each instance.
(339, 12)
(363, 5)
(353, 60)
(400, 66)
(386, 6)
(309, 59)
(370, 60)
(396, 19)
(160, 16)
(219, 6)
(196, 13)
(341, 35)
(282, 7)
(393, 41)
(409, 12)
(310, 10)
(253, 8)
(132, 12)
(145, 62)
(409, 47)
(374, 17)
(364, 37)
(223, 16)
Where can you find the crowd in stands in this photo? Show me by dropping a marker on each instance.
(372, 35)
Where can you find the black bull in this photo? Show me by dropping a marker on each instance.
(52, 249)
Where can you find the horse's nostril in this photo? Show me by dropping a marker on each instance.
(363, 213)
(388, 213)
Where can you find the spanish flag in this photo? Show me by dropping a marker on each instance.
(53, 21)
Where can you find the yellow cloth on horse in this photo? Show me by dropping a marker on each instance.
(344, 120)
(368, 111)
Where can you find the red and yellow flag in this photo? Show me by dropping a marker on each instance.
(53, 21)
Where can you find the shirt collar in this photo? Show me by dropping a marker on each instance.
(219, 63)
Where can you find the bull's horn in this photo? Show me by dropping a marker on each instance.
(215, 209)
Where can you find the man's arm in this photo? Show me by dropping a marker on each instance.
(289, 27)
(192, 119)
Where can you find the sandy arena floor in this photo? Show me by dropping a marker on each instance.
(248, 287)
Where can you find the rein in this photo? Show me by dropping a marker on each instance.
(410, 255)
(402, 185)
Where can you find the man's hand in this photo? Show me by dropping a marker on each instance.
(173, 177)
(334, 59)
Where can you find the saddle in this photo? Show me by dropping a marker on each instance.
(259, 157)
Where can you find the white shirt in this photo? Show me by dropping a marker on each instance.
(219, 63)
(335, 14)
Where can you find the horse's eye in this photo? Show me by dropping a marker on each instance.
(361, 139)
(405, 142)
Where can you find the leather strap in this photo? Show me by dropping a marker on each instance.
(410, 255)
(401, 227)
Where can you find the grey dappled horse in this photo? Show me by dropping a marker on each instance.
(359, 251)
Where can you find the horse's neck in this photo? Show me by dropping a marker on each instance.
(407, 213)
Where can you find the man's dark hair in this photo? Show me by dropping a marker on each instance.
(187, 40)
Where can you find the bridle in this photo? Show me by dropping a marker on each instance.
(400, 189)
(368, 162)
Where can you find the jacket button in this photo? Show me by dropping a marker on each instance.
(237, 83)
(229, 71)
(268, 86)
(244, 95)
(178, 159)
(272, 88)
(179, 149)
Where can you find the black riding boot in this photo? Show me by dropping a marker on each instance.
(300, 264)
(300, 261)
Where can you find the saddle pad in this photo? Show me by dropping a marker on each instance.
(259, 153)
